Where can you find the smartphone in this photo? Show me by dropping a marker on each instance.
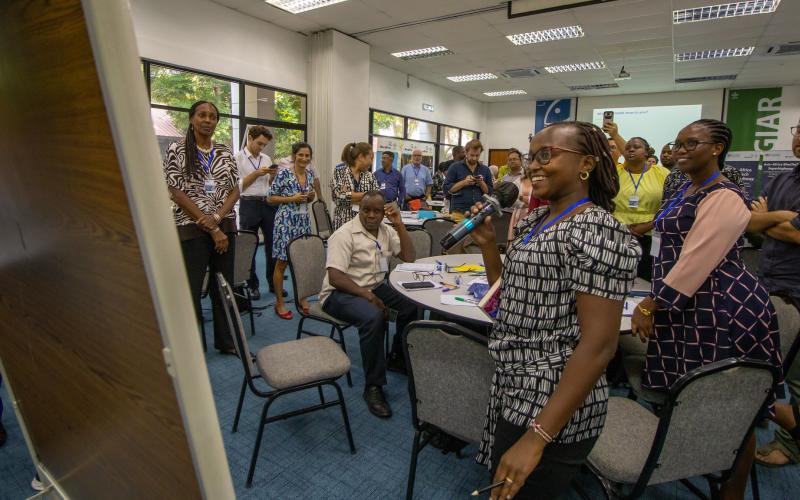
(608, 117)
(417, 285)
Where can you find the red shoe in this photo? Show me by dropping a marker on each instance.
(287, 315)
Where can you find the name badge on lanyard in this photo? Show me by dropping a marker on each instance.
(655, 246)
(633, 201)
(209, 186)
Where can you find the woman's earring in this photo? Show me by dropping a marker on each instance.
(584, 175)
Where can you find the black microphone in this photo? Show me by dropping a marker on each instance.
(505, 195)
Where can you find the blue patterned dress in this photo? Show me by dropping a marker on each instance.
(729, 316)
(291, 219)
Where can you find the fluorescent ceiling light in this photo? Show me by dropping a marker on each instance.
(472, 78)
(501, 93)
(422, 53)
(721, 11)
(564, 68)
(546, 35)
(713, 54)
(298, 6)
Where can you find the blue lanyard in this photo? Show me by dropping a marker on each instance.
(357, 183)
(255, 167)
(537, 229)
(416, 171)
(206, 165)
(678, 200)
(636, 184)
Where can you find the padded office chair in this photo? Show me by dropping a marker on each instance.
(438, 228)
(423, 244)
(307, 267)
(322, 219)
(287, 367)
(708, 416)
(246, 245)
(449, 380)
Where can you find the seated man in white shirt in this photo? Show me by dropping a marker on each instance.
(355, 287)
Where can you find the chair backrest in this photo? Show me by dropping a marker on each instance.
(789, 325)
(437, 228)
(322, 219)
(246, 244)
(306, 265)
(501, 225)
(449, 377)
(234, 321)
(751, 257)
(423, 242)
(710, 412)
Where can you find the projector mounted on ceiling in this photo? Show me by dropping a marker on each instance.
(520, 8)
(623, 75)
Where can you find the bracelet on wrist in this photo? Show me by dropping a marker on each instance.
(216, 230)
(644, 311)
(538, 429)
(217, 217)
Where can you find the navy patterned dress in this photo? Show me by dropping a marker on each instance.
(728, 316)
(292, 219)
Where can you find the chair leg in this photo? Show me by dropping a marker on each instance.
(250, 310)
(300, 327)
(344, 417)
(321, 395)
(412, 468)
(754, 482)
(203, 333)
(239, 407)
(344, 348)
(257, 446)
(386, 340)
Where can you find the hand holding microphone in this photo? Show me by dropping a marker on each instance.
(505, 195)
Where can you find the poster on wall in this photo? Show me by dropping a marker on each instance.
(760, 120)
(552, 111)
(746, 162)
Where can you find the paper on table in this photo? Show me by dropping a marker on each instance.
(452, 300)
(630, 305)
(411, 267)
(482, 280)
(467, 268)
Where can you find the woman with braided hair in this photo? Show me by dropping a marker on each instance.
(704, 305)
(565, 276)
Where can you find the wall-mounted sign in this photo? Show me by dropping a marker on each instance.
(427, 107)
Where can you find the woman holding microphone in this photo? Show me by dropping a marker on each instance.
(565, 278)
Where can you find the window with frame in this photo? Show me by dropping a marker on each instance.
(173, 90)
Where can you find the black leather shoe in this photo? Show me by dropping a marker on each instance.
(255, 294)
(373, 395)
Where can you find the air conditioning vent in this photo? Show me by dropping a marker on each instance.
(697, 79)
(787, 49)
(521, 73)
(596, 86)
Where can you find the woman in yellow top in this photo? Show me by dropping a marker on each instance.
(639, 197)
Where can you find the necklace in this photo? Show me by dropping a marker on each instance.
(206, 151)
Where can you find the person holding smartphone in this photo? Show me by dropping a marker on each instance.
(292, 190)
(257, 172)
(467, 181)
(355, 288)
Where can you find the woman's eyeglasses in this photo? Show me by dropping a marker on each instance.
(545, 154)
(689, 145)
(419, 276)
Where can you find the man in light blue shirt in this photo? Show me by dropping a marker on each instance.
(417, 180)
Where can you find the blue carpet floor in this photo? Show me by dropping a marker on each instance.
(308, 457)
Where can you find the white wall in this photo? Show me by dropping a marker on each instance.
(388, 92)
(710, 99)
(508, 124)
(202, 35)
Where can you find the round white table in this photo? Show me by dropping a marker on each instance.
(429, 298)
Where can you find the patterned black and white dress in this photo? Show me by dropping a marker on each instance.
(537, 323)
(223, 171)
(343, 186)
